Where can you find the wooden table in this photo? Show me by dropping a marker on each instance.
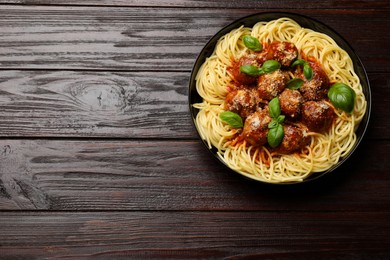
(99, 157)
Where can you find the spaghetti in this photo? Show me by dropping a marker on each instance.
(323, 150)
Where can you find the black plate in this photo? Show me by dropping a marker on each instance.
(306, 22)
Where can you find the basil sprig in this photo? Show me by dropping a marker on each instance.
(268, 67)
(252, 43)
(275, 136)
(274, 108)
(276, 133)
(294, 83)
(250, 70)
(307, 70)
(232, 119)
(342, 96)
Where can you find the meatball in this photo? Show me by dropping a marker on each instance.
(294, 139)
(291, 103)
(284, 52)
(271, 84)
(239, 77)
(317, 115)
(241, 101)
(256, 128)
(317, 87)
(263, 56)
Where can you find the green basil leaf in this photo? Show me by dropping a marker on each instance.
(280, 119)
(270, 66)
(275, 136)
(295, 83)
(261, 71)
(298, 62)
(342, 96)
(274, 108)
(307, 71)
(252, 43)
(250, 70)
(231, 118)
(273, 124)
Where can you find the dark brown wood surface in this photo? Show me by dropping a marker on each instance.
(99, 158)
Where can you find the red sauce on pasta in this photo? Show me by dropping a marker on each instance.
(306, 109)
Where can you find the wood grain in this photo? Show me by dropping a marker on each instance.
(118, 105)
(99, 159)
(175, 175)
(124, 38)
(211, 4)
(195, 235)
(95, 104)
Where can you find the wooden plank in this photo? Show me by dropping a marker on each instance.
(124, 38)
(173, 175)
(208, 4)
(380, 92)
(195, 235)
(118, 104)
(95, 104)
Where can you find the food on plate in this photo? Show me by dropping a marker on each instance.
(280, 102)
